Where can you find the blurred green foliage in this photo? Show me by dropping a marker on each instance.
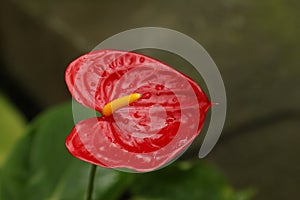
(41, 168)
(12, 125)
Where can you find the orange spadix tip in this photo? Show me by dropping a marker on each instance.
(118, 103)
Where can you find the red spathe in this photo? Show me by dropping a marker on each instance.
(146, 134)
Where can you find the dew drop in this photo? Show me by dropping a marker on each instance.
(104, 74)
(108, 84)
(159, 87)
(170, 119)
(147, 95)
(142, 59)
(136, 115)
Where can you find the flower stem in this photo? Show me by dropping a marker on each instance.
(91, 182)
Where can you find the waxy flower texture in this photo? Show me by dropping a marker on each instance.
(150, 113)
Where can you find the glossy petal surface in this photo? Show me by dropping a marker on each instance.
(146, 134)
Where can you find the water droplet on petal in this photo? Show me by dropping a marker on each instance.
(136, 115)
(108, 83)
(170, 119)
(104, 74)
(159, 87)
(147, 95)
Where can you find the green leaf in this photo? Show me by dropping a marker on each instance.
(41, 168)
(12, 125)
(185, 180)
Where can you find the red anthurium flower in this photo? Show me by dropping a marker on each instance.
(150, 112)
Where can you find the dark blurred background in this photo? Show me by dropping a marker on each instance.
(255, 44)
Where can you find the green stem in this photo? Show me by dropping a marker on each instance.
(91, 182)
